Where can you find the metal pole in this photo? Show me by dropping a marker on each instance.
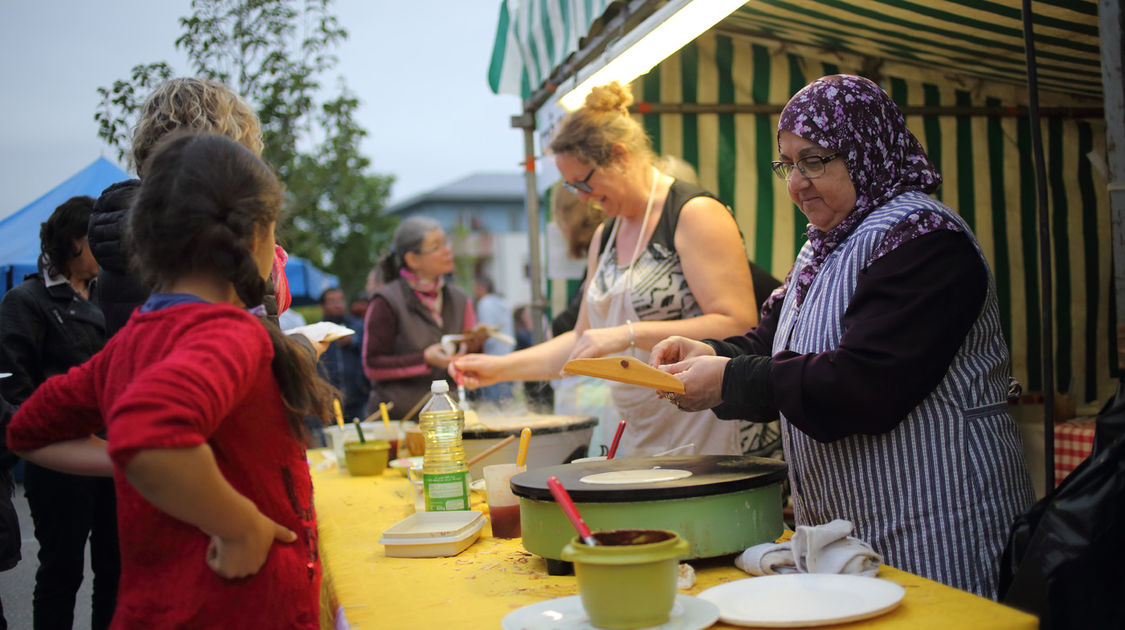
(1112, 21)
(1045, 280)
(538, 304)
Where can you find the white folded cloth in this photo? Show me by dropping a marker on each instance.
(827, 548)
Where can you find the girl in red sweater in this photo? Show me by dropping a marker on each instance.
(204, 403)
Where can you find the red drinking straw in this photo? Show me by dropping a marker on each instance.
(616, 440)
(568, 508)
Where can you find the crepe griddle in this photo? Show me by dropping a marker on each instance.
(711, 474)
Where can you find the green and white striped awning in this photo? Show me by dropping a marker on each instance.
(972, 38)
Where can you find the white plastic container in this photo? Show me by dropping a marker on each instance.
(432, 534)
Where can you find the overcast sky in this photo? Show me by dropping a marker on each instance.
(419, 69)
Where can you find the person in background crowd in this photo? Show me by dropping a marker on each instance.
(374, 280)
(357, 308)
(407, 317)
(672, 263)
(9, 521)
(493, 311)
(49, 324)
(342, 363)
(204, 399)
(194, 104)
(578, 220)
(883, 350)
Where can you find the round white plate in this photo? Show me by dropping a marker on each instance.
(802, 599)
(566, 613)
(478, 485)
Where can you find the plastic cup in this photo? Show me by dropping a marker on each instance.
(414, 474)
(503, 506)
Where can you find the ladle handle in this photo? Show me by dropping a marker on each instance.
(568, 508)
(616, 440)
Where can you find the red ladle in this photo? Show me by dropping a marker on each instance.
(616, 440)
(568, 508)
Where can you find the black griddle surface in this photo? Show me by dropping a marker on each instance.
(711, 474)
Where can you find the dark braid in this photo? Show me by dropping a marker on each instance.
(204, 200)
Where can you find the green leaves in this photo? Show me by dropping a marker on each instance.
(274, 53)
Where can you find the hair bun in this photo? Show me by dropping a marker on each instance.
(609, 97)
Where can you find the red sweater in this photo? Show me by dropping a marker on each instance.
(180, 377)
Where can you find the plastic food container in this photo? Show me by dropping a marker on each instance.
(432, 534)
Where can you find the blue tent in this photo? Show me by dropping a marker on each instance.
(19, 231)
(306, 282)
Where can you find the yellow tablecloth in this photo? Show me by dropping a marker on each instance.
(493, 577)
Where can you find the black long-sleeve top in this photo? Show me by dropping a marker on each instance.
(908, 317)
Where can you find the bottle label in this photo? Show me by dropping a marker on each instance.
(446, 491)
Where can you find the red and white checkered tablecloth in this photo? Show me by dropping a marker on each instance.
(1073, 441)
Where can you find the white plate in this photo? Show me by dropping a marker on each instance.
(802, 599)
(566, 613)
(478, 485)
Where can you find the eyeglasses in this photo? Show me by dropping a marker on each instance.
(811, 167)
(582, 186)
(437, 247)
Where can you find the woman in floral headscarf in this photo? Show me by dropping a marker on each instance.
(882, 351)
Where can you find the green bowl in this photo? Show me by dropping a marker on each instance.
(367, 458)
(628, 580)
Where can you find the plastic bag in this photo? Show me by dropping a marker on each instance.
(1065, 557)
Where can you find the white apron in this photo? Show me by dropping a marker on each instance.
(653, 425)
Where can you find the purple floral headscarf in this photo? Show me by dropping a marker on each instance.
(852, 116)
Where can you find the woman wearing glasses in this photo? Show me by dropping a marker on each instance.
(407, 316)
(669, 261)
(883, 350)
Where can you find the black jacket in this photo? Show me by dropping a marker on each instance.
(44, 331)
(119, 290)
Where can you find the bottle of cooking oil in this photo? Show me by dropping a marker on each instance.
(445, 477)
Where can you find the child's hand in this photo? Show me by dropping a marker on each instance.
(240, 557)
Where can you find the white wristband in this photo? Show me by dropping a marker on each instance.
(632, 337)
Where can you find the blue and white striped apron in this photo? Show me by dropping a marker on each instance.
(935, 496)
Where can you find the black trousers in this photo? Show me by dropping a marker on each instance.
(66, 510)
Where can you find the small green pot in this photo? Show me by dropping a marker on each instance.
(367, 458)
(629, 579)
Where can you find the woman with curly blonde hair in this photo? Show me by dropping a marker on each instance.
(183, 103)
(670, 262)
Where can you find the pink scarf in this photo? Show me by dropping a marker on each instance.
(427, 291)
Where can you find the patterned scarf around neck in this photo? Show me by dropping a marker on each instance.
(852, 116)
(427, 291)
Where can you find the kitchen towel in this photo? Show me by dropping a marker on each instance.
(827, 548)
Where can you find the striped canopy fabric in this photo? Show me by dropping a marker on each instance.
(535, 36)
(977, 38)
(936, 54)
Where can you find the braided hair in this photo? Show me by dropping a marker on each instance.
(202, 203)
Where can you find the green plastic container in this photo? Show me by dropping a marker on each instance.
(367, 458)
(628, 580)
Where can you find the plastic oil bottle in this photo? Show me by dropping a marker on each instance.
(445, 477)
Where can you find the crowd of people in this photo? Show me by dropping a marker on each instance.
(149, 348)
